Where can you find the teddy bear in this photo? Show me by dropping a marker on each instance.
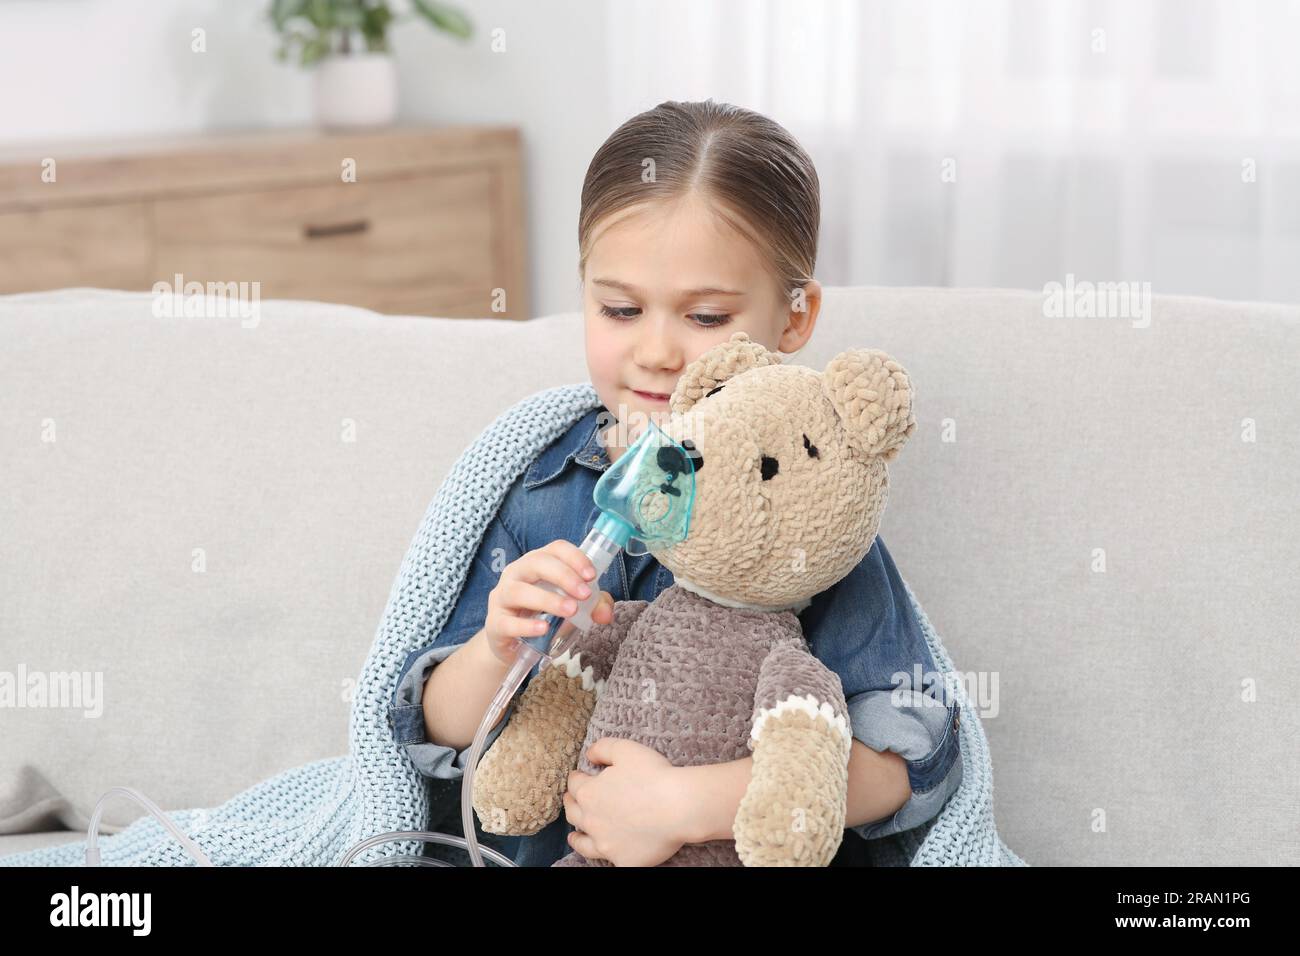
(791, 483)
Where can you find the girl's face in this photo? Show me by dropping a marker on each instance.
(664, 283)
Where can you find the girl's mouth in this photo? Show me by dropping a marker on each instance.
(652, 396)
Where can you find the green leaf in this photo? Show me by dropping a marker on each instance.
(317, 48)
(321, 14)
(375, 26)
(282, 11)
(445, 17)
(347, 15)
(379, 16)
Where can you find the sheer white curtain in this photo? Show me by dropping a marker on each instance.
(1010, 142)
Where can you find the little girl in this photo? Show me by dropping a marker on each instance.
(698, 220)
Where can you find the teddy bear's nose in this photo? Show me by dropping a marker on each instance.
(671, 458)
(696, 458)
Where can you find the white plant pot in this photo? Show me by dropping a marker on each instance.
(356, 90)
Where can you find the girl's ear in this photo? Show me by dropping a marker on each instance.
(717, 365)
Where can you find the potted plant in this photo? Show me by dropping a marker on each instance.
(346, 42)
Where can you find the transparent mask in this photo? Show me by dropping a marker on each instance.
(651, 489)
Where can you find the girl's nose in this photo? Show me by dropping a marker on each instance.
(655, 348)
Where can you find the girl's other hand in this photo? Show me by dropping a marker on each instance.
(635, 811)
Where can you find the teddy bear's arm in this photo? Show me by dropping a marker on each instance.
(520, 782)
(793, 811)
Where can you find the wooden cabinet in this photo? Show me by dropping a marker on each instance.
(412, 221)
(50, 248)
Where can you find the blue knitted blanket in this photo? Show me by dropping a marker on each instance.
(311, 815)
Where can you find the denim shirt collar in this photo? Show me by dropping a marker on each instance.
(581, 445)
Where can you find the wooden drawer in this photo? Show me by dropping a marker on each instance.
(412, 244)
(102, 246)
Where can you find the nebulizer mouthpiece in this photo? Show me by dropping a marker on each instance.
(645, 500)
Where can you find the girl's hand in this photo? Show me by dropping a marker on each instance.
(632, 812)
(519, 595)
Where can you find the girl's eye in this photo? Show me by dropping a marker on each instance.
(707, 320)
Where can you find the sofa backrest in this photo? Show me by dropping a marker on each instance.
(1098, 514)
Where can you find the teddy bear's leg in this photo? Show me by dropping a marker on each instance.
(793, 811)
(519, 784)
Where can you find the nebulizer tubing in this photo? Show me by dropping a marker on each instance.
(92, 832)
(601, 546)
(201, 858)
(647, 495)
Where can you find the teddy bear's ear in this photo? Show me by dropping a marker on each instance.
(724, 361)
(873, 396)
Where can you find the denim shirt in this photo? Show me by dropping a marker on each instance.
(863, 628)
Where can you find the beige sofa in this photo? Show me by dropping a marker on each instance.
(202, 519)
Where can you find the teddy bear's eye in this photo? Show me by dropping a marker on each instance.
(769, 467)
(812, 449)
(716, 388)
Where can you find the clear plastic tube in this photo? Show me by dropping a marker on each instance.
(92, 832)
(424, 835)
(601, 549)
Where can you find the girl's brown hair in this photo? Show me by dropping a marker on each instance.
(750, 169)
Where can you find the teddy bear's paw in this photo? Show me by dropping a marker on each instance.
(793, 812)
(507, 806)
